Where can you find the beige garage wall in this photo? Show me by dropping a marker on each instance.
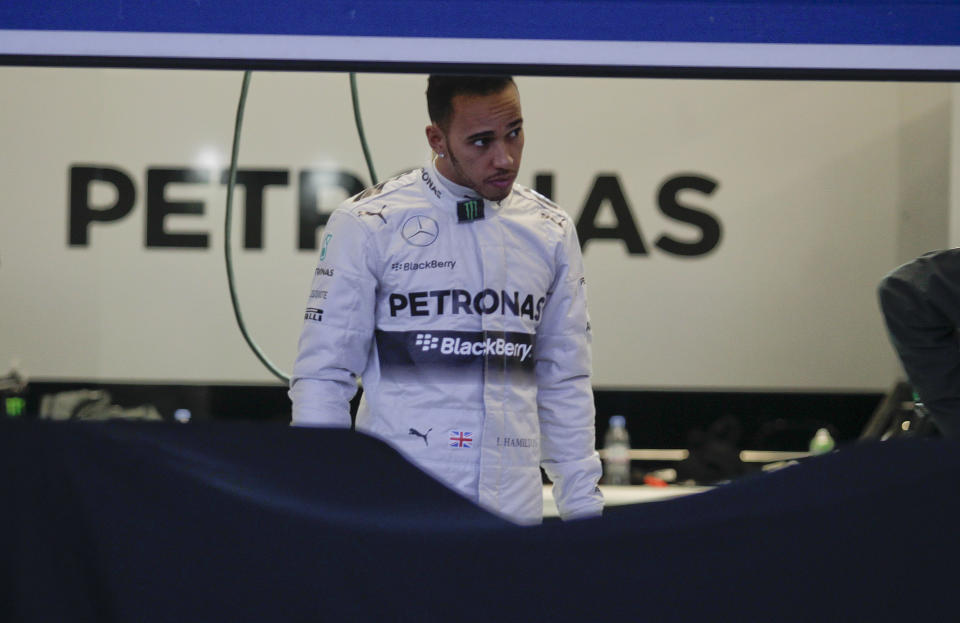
(821, 188)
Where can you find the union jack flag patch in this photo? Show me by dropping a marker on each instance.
(461, 439)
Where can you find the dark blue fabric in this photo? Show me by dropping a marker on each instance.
(890, 22)
(252, 522)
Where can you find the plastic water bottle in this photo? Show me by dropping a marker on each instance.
(616, 452)
(822, 442)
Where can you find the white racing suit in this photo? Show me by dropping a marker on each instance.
(467, 322)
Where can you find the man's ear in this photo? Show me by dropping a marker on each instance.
(436, 139)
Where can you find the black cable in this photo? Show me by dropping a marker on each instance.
(363, 139)
(227, 234)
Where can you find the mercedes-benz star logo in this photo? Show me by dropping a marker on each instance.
(420, 231)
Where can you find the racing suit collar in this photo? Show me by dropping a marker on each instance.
(446, 194)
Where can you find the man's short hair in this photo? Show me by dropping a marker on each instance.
(441, 89)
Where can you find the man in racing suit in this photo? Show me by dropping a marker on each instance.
(458, 297)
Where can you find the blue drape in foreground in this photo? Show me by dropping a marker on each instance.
(253, 522)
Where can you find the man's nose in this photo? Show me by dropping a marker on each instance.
(502, 159)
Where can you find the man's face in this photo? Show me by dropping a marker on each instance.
(483, 144)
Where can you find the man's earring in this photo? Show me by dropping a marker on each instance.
(441, 155)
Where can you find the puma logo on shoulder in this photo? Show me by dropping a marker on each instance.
(371, 213)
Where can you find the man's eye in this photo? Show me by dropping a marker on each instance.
(515, 133)
(481, 142)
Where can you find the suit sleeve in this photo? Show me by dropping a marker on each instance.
(338, 325)
(565, 396)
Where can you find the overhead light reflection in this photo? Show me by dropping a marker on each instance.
(209, 157)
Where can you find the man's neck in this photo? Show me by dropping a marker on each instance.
(452, 187)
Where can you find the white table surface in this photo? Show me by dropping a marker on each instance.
(615, 495)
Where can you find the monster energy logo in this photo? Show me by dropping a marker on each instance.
(469, 210)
